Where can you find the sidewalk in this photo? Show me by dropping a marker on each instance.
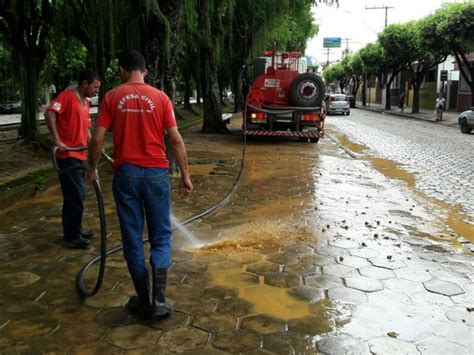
(450, 118)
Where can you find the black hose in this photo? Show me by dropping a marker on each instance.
(103, 247)
(104, 253)
(103, 226)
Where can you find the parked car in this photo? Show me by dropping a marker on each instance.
(10, 107)
(339, 104)
(352, 100)
(466, 121)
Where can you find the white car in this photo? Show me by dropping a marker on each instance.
(338, 103)
(466, 121)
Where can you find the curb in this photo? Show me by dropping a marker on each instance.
(406, 115)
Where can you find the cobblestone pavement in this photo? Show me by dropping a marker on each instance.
(316, 252)
(439, 157)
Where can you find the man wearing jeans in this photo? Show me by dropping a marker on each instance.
(68, 120)
(138, 116)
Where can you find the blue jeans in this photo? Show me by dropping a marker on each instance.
(72, 186)
(141, 193)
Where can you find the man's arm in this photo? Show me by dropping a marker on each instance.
(95, 148)
(50, 117)
(179, 153)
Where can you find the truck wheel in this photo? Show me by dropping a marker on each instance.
(307, 90)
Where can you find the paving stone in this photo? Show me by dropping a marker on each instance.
(299, 250)
(388, 264)
(27, 329)
(460, 315)
(443, 287)
(183, 339)
(132, 336)
(89, 333)
(73, 315)
(107, 300)
(197, 306)
(387, 345)
(424, 297)
(377, 272)
(243, 279)
(307, 293)
(311, 325)
(343, 243)
(454, 332)
(459, 266)
(237, 341)
(189, 266)
(417, 273)
(352, 261)
(339, 270)
(277, 343)
(347, 295)
(364, 253)
(406, 286)
(389, 298)
(19, 279)
(283, 258)
(283, 280)
(323, 281)
(226, 265)
(363, 283)
(234, 306)
(434, 345)
(263, 324)
(342, 344)
(176, 320)
(303, 269)
(208, 258)
(218, 292)
(263, 268)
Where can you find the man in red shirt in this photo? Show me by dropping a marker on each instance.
(138, 116)
(68, 120)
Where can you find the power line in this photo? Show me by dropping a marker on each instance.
(381, 8)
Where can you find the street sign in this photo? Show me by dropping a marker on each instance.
(332, 42)
(444, 75)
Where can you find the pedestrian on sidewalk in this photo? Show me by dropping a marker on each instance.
(401, 103)
(440, 105)
(138, 116)
(68, 120)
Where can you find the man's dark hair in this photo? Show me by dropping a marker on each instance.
(132, 60)
(89, 75)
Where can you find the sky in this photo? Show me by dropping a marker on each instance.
(351, 20)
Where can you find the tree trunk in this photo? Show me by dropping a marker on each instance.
(416, 97)
(212, 110)
(387, 92)
(364, 92)
(29, 97)
(466, 67)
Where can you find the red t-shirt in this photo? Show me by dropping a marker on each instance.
(72, 122)
(137, 114)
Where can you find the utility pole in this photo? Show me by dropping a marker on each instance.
(381, 8)
(347, 46)
(327, 56)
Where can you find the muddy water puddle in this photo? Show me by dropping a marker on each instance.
(449, 221)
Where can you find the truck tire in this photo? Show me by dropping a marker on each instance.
(307, 90)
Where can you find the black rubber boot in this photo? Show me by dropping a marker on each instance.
(139, 306)
(160, 309)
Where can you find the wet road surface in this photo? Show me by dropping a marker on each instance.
(316, 252)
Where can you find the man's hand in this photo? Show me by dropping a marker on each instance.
(91, 175)
(61, 146)
(185, 186)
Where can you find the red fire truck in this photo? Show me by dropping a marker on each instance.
(285, 100)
